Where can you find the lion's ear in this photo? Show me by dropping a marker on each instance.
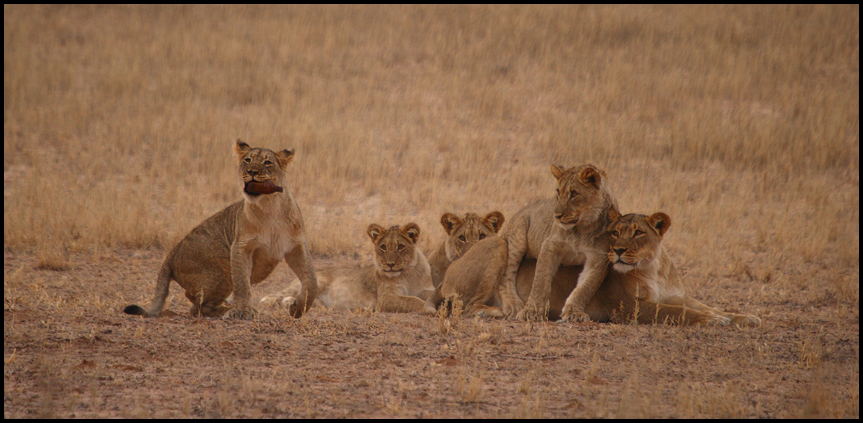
(557, 171)
(241, 148)
(590, 175)
(613, 214)
(495, 220)
(659, 221)
(375, 232)
(412, 231)
(449, 222)
(285, 157)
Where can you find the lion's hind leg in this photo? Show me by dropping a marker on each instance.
(395, 303)
(284, 298)
(743, 320)
(483, 310)
(206, 307)
(650, 312)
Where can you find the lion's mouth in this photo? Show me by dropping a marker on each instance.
(246, 190)
(255, 188)
(616, 259)
(567, 220)
(567, 225)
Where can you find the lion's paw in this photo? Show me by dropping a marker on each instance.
(280, 300)
(530, 312)
(512, 308)
(297, 308)
(720, 320)
(571, 314)
(747, 321)
(242, 313)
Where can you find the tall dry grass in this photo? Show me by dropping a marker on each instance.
(741, 122)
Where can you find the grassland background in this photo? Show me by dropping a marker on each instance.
(740, 122)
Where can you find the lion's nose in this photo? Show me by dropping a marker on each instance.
(619, 251)
(391, 265)
(252, 172)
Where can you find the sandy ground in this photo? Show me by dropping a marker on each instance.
(69, 351)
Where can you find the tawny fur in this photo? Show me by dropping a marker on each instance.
(570, 229)
(399, 282)
(462, 234)
(642, 286)
(240, 246)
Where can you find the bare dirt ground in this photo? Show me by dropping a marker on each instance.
(69, 351)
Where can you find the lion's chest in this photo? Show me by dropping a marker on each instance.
(572, 256)
(273, 245)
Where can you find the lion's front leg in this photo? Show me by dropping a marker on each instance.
(546, 267)
(394, 303)
(511, 303)
(241, 274)
(300, 261)
(595, 270)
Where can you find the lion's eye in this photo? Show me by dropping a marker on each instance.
(573, 195)
(615, 234)
(247, 160)
(481, 236)
(267, 162)
(383, 248)
(401, 247)
(638, 233)
(558, 192)
(462, 238)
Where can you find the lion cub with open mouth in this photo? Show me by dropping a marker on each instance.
(241, 245)
(399, 282)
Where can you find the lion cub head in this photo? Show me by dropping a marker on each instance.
(464, 233)
(637, 240)
(395, 248)
(582, 195)
(262, 170)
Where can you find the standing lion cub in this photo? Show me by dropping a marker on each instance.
(399, 282)
(241, 245)
(570, 229)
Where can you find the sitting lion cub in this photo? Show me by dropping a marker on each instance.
(399, 282)
(462, 234)
(241, 245)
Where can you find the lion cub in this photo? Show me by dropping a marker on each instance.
(474, 279)
(462, 234)
(643, 284)
(241, 245)
(567, 230)
(399, 282)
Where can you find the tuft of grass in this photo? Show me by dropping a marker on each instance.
(52, 260)
(811, 352)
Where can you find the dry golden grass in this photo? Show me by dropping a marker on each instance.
(740, 122)
(118, 121)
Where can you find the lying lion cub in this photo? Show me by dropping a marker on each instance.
(241, 245)
(643, 284)
(398, 283)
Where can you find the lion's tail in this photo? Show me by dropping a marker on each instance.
(162, 284)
